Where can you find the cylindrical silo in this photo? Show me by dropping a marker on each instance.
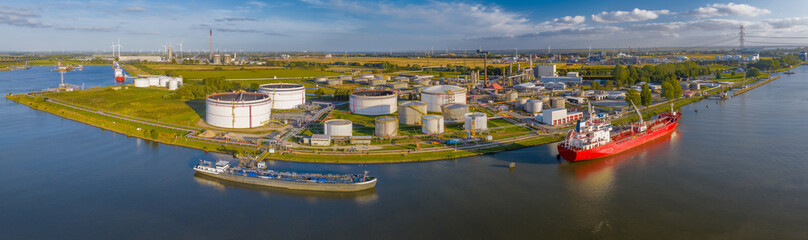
(374, 102)
(432, 124)
(476, 121)
(284, 95)
(338, 128)
(154, 81)
(173, 84)
(386, 126)
(237, 110)
(533, 106)
(141, 82)
(557, 103)
(410, 112)
(437, 96)
(511, 96)
(164, 81)
(377, 82)
(367, 76)
(320, 79)
(455, 112)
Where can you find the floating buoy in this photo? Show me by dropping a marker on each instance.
(513, 165)
(697, 110)
(558, 157)
(708, 106)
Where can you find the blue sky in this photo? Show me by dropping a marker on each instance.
(354, 25)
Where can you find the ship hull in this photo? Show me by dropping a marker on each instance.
(613, 148)
(305, 186)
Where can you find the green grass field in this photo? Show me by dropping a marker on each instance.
(247, 74)
(147, 103)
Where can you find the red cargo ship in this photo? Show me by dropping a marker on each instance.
(595, 139)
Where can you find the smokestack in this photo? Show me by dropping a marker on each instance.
(211, 44)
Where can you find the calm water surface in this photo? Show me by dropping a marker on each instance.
(737, 169)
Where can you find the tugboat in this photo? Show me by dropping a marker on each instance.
(595, 137)
(288, 180)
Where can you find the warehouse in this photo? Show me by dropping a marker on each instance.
(374, 102)
(237, 110)
(284, 95)
(437, 96)
(558, 116)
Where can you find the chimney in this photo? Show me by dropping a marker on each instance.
(211, 44)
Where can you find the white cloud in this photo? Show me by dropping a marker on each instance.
(632, 16)
(257, 4)
(785, 23)
(24, 17)
(447, 18)
(134, 9)
(569, 20)
(721, 9)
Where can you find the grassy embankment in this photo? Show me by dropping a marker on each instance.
(128, 128)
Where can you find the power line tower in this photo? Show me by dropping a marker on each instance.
(741, 34)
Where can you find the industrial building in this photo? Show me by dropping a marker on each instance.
(572, 77)
(437, 96)
(545, 71)
(432, 124)
(410, 112)
(320, 140)
(237, 110)
(338, 128)
(284, 95)
(558, 116)
(374, 102)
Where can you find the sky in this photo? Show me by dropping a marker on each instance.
(355, 25)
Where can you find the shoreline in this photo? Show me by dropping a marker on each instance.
(180, 137)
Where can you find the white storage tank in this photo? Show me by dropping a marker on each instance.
(320, 79)
(154, 81)
(374, 102)
(338, 128)
(410, 112)
(367, 76)
(164, 81)
(386, 127)
(179, 80)
(173, 84)
(476, 121)
(284, 95)
(533, 106)
(558, 103)
(432, 124)
(141, 82)
(237, 110)
(437, 96)
(455, 112)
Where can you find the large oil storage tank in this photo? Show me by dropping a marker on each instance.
(455, 112)
(237, 110)
(338, 128)
(386, 126)
(284, 95)
(437, 96)
(141, 82)
(320, 79)
(377, 82)
(557, 103)
(173, 84)
(533, 106)
(410, 112)
(476, 121)
(432, 124)
(374, 102)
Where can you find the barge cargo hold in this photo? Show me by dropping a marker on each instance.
(287, 180)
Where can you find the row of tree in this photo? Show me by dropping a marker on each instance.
(199, 90)
(627, 76)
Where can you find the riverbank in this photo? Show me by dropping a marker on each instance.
(176, 135)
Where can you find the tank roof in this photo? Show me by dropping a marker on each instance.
(456, 105)
(281, 85)
(338, 122)
(237, 96)
(373, 93)
(408, 103)
(385, 118)
(442, 89)
(433, 116)
(476, 114)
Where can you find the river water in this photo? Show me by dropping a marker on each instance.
(738, 169)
